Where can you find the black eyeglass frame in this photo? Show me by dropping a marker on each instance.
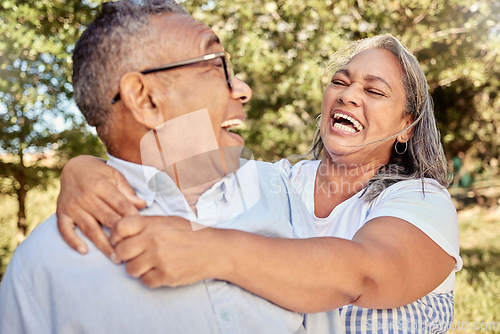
(223, 55)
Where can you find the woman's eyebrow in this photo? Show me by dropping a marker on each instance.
(344, 72)
(370, 78)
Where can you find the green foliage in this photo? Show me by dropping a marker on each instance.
(282, 47)
(35, 90)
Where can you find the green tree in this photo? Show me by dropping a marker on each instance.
(281, 48)
(35, 93)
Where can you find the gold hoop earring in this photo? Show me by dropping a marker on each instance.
(396, 147)
(318, 121)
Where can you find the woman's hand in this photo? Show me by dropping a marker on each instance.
(165, 251)
(93, 193)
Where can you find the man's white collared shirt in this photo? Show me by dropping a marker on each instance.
(49, 288)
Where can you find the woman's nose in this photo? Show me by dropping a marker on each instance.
(350, 95)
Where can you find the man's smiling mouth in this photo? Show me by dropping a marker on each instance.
(231, 123)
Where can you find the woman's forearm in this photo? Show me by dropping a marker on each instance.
(299, 274)
(389, 263)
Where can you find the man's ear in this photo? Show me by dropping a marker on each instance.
(136, 93)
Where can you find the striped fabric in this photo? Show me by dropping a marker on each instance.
(432, 314)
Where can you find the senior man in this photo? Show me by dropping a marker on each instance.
(146, 74)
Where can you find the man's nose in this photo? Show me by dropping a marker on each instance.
(240, 90)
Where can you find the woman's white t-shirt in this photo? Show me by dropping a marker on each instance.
(431, 210)
(427, 206)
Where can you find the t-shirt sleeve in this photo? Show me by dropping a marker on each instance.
(432, 211)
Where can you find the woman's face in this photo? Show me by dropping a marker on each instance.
(364, 103)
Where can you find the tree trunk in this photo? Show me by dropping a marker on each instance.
(21, 198)
(21, 214)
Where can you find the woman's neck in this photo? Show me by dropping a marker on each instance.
(337, 182)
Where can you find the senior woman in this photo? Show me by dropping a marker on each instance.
(387, 250)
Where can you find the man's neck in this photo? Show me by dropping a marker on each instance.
(193, 194)
(194, 175)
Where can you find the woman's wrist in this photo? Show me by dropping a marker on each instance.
(225, 253)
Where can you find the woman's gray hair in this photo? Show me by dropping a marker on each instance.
(119, 40)
(424, 157)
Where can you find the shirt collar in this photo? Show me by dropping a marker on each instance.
(138, 176)
(148, 181)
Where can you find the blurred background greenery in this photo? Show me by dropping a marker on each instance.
(280, 48)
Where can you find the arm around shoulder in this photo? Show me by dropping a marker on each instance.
(386, 265)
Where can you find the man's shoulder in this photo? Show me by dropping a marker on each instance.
(42, 239)
(32, 257)
(43, 245)
(260, 171)
(259, 165)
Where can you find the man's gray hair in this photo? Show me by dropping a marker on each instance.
(424, 157)
(116, 42)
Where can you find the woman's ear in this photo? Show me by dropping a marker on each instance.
(406, 134)
(136, 93)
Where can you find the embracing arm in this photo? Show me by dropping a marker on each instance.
(388, 263)
(92, 193)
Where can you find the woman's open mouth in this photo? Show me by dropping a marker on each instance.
(346, 123)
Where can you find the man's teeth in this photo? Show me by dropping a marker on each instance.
(354, 122)
(231, 123)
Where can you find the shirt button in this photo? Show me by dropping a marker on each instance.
(225, 315)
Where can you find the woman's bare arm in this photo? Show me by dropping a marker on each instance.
(388, 263)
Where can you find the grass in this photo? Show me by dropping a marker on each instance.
(477, 291)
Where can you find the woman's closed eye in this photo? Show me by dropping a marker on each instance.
(375, 92)
(370, 90)
(338, 82)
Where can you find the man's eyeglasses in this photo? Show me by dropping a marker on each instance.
(223, 55)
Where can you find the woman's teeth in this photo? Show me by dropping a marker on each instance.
(357, 126)
(344, 128)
